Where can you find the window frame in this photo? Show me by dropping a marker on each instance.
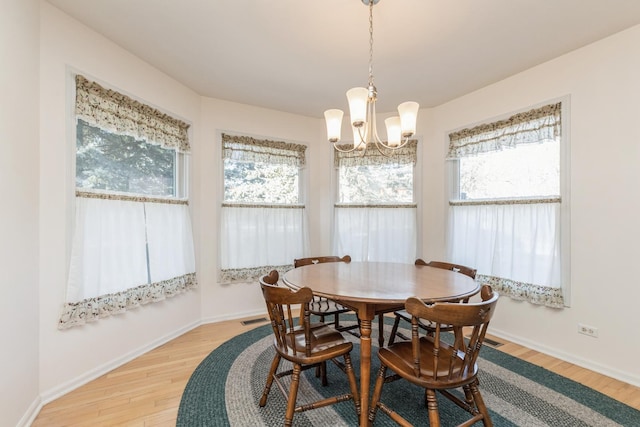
(452, 183)
(77, 313)
(226, 275)
(182, 159)
(417, 193)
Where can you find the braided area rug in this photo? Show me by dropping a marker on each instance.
(225, 388)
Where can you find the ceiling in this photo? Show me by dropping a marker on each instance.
(301, 56)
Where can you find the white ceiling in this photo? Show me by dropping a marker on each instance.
(301, 56)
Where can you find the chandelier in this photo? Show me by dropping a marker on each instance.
(362, 109)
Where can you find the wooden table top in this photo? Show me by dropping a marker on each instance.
(381, 282)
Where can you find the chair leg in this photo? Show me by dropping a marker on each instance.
(353, 385)
(394, 331)
(272, 372)
(479, 401)
(293, 395)
(323, 373)
(381, 330)
(468, 396)
(377, 391)
(432, 407)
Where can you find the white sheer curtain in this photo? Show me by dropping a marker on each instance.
(257, 238)
(376, 233)
(169, 236)
(126, 253)
(109, 248)
(516, 241)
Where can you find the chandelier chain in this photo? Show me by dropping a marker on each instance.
(371, 43)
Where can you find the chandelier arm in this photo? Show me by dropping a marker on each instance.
(335, 145)
(397, 147)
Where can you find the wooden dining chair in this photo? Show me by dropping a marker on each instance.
(304, 344)
(324, 307)
(428, 326)
(437, 363)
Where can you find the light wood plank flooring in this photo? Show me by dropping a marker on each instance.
(147, 390)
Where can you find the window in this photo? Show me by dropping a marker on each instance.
(119, 163)
(375, 215)
(506, 201)
(132, 243)
(263, 220)
(530, 170)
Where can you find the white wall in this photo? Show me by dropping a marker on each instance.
(70, 357)
(19, 29)
(603, 82)
(244, 299)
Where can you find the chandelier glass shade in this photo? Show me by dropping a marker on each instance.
(362, 111)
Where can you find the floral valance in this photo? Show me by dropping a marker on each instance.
(372, 156)
(115, 112)
(531, 126)
(535, 294)
(246, 148)
(92, 309)
(251, 274)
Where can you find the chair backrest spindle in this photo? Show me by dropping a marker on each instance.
(463, 357)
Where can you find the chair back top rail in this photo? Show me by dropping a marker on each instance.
(468, 271)
(299, 262)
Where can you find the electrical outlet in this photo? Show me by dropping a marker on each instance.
(588, 330)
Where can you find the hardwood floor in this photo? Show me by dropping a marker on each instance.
(147, 390)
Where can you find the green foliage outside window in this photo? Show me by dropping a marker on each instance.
(260, 182)
(373, 184)
(119, 163)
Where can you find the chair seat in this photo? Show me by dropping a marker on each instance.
(325, 342)
(399, 358)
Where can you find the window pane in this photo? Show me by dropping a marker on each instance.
(376, 184)
(530, 170)
(260, 182)
(108, 161)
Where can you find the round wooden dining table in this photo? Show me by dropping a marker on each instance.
(372, 288)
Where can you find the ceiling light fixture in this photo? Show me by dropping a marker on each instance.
(362, 109)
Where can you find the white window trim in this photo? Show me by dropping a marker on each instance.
(417, 193)
(303, 191)
(452, 183)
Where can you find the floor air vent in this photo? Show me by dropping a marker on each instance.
(252, 321)
(492, 343)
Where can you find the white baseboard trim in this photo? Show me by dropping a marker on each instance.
(252, 313)
(571, 358)
(32, 412)
(56, 392)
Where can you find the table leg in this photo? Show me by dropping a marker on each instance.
(365, 369)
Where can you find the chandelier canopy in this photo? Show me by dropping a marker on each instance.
(362, 109)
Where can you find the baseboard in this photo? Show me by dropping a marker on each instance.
(32, 412)
(61, 390)
(567, 357)
(252, 313)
